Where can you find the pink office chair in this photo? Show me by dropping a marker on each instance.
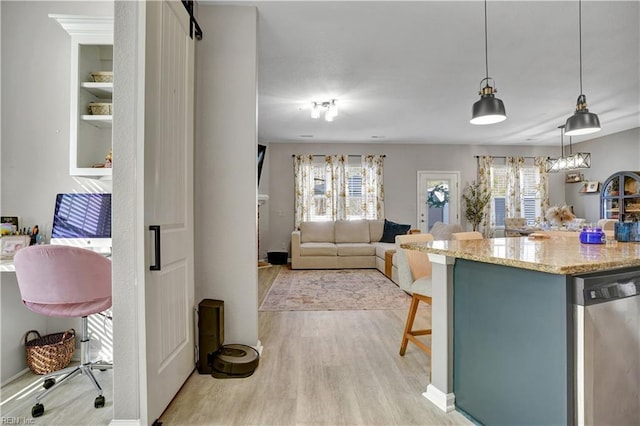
(70, 282)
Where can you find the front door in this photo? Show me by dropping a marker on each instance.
(438, 198)
(168, 198)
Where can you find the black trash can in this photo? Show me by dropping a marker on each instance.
(277, 257)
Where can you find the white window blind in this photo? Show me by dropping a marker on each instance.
(529, 181)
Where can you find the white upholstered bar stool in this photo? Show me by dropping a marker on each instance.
(414, 277)
(471, 235)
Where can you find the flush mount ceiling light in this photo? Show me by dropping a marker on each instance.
(488, 109)
(582, 122)
(579, 160)
(329, 107)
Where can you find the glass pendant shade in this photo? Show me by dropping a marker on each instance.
(488, 110)
(315, 110)
(579, 160)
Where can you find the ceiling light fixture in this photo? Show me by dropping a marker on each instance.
(488, 109)
(579, 160)
(582, 122)
(329, 107)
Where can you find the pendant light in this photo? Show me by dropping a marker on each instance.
(488, 109)
(582, 122)
(579, 160)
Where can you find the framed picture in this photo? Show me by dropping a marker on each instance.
(592, 186)
(8, 225)
(10, 245)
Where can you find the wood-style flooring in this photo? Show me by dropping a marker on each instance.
(317, 368)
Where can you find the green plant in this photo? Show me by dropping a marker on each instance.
(475, 199)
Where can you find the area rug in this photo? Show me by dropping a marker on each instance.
(333, 290)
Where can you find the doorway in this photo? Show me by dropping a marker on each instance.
(438, 198)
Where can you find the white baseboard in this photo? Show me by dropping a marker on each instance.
(119, 422)
(444, 401)
(15, 376)
(258, 347)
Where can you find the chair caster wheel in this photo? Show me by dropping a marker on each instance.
(99, 402)
(49, 383)
(37, 410)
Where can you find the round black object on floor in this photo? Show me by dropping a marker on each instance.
(277, 257)
(234, 361)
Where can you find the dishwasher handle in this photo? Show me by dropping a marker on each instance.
(594, 289)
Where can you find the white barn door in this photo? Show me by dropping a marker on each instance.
(168, 199)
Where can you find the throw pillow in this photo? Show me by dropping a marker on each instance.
(391, 229)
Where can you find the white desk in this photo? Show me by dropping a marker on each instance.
(6, 265)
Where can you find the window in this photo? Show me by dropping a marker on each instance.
(354, 200)
(529, 194)
(338, 187)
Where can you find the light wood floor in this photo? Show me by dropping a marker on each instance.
(317, 368)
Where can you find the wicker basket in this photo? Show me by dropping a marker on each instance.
(53, 352)
(100, 108)
(102, 76)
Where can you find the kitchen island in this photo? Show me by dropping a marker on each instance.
(507, 332)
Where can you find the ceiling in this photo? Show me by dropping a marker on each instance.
(409, 72)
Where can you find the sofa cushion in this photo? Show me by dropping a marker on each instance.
(391, 229)
(381, 248)
(317, 232)
(352, 231)
(355, 249)
(376, 228)
(318, 249)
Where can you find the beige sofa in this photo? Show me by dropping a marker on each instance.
(341, 244)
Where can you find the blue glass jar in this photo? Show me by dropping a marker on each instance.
(592, 236)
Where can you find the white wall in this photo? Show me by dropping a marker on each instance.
(401, 165)
(128, 221)
(609, 154)
(225, 167)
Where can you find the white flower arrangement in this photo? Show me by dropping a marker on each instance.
(559, 215)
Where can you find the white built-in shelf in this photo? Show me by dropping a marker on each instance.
(100, 90)
(102, 121)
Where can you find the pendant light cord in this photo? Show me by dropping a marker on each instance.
(486, 44)
(580, 39)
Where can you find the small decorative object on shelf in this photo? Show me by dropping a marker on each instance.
(102, 76)
(591, 186)
(109, 159)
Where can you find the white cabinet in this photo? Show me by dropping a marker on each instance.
(90, 134)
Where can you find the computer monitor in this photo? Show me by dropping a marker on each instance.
(83, 220)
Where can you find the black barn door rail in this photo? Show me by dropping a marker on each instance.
(188, 4)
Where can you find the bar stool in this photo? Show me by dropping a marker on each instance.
(414, 277)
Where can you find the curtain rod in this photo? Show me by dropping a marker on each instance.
(324, 155)
(504, 157)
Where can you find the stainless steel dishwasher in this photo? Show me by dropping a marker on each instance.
(607, 348)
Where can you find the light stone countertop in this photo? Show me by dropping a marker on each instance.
(555, 255)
